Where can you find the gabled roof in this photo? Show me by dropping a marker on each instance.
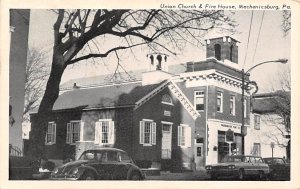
(106, 96)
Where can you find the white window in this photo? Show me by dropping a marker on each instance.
(166, 99)
(219, 102)
(256, 149)
(104, 132)
(147, 132)
(199, 100)
(184, 136)
(245, 108)
(73, 132)
(257, 122)
(232, 105)
(51, 133)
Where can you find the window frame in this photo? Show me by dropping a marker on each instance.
(99, 132)
(71, 132)
(168, 97)
(53, 133)
(221, 101)
(199, 96)
(152, 132)
(257, 119)
(232, 100)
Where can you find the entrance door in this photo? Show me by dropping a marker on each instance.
(166, 142)
(199, 153)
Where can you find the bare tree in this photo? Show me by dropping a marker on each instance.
(36, 75)
(279, 119)
(79, 35)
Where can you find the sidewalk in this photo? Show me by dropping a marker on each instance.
(197, 175)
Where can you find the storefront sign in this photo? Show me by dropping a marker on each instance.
(231, 126)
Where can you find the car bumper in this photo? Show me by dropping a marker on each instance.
(223, 173)
(62, 178)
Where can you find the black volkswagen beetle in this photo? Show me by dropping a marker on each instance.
(100, 164)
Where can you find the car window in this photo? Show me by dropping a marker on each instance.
(246, 159)
(110, 156)
(252, 159)
(87, 156)
(258, 160)
(278, 161)
(125, 158)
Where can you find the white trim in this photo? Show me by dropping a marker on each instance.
(166, 122)
(183, 100)
(151, 94)
(147, 120)
(104, 119)
(70, 88)
(184, 125)
(226, 122)
(171, 104)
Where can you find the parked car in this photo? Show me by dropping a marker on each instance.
(239, 166)
(279, 168)
(100, 164)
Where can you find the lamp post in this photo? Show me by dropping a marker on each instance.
(244, 73)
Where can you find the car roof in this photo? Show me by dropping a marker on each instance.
(244, 156)
(105, 149)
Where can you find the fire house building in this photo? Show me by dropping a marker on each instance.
(164, 120)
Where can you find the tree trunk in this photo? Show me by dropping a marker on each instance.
(40, 124)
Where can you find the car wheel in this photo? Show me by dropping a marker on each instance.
(88, 176)
(213, 177)
(135, 176)
(241, 174)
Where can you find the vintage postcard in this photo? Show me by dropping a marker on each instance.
(163, 94)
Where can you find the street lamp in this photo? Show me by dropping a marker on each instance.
(243, 128)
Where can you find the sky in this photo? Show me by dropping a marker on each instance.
(272, 45)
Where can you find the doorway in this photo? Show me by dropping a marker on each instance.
(199, 153)
(166, 141)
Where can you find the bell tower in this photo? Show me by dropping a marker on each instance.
(222, 48)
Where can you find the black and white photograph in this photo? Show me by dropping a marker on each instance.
(197, 91)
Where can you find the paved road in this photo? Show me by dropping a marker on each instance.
(197, 175)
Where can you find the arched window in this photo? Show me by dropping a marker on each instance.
(218, 51)
(231, 53)
(166, 99)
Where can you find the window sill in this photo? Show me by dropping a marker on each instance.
(167, 103)
(48, 144)
(147, 144)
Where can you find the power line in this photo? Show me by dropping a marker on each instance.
(248, 38)
(262, 19)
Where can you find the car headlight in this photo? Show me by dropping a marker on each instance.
(208, 167)
(55, 171)
(74, 171)
(231, 166)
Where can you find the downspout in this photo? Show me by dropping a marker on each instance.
(206, 125)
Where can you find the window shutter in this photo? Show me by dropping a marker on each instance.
(179, 135)
(81, 131)
(97, 132)
(154, 133)
(142, 132)
(68, 137)
(188, 136)
(111, 132)
(54, 133)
